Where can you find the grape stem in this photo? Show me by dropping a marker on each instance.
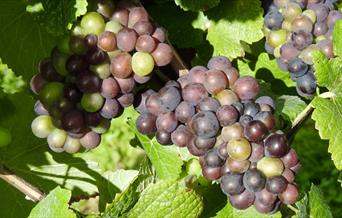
(299, 120)
(19, 183)
(293, 208)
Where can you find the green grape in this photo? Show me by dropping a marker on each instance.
(102, 127)
(291, 11)
(63, 45)
(78, 31)
(5, 137)
(270, 166)
(102, 70)
(310, 14)
(42, 126)
(142, 63)
(72, 145)
(57, 138)
(59, 61)
(277, 37)
(93, 23)
(227, 97)
(239, 149)
(92, 102)
(113, 26)
(51, 93)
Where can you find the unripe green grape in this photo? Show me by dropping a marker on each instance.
(307, 54)
(102, 127)
(320, 38)
(276, 52)
(51, 93)
(63, 45)
(102, 70)
(286, 25)
(239, 149)
(42, 126)
(72, 145)
(291, 11)
(142, 63)
(93, 23)
(5, 137)
(270, 166)
(277, 38)
(227, 97)
(78, 31)
(310, 14)
(57, 138)
(59, 61)
(113, 26)
(92, 102)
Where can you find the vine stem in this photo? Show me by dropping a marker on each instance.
(293, 208)
(19, 183)
(305, 114)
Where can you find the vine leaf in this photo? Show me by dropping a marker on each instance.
(232, 23)
(230, 211)
(168, 198)
(337, 40)
(9, 82)
(288, 107)
(196, 5)
(313, 205)
(55, 204)
(328, 118)
(166, 161)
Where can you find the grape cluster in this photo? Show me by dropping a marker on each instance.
(294, 29)
(91, 75)
(212, 111)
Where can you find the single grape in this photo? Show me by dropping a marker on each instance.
(204, 143)
(181, 136)
(184, 112)
(288, 175)
(326, 47)
(197, 74)
(215, 81)
(290, 195)
(90, 140)
(246, 87)
(140, 100)
(227, 97)
(227, 115)
(167, 122)
(37, 83)
(92, 23)
(232, 184)
(307, 54)
(143, 27)
(51, 93)
(169, 97)
(59, 61)
(137, 14)
(153, 104)
(219, 63)
(255, 131)
(232, 74)
(212, 159)
(297, 67)
(273, 20)
(194, 93)
(251, 109)
(163, 137)
(208, 104)
(42, 126)
(76, 64)
(242, 201)
(71, 145)
(92, 119)
(281, 3)
(126, 100)
(72, 93)
(307, 83)
(288, 52)
(110, 88)
(205, 124)
(244, 120)
(102, 127)
(141, 79)
(73, 121)
(107, 41)
(320, 28)
(194, 150)
(290, 159)
(320, 10)
(142, 63)
(211, 173)
(111, 108)
(237, 166)
(283, 64)
(126, 39)
(90, 41)
(146, 123)
(96, 56)
(126, 85)
(266, 100)
(270, 166)
(301, 39)
(276, 38)
(88, 82)
(162, 54)
(267, 118)
(276, 145)
(291, 11)
(303, 23)
(104, 7)
(269, 49)
(113, 26)
(253, 180)
(121, 15)
(296, 168)
(159, 34)
(47, 71)
(57, 138)
(39, 109)
(145, 43)
(260, 207)
(121, 65)
(232, 132)
(239, 149)
(92, 102)
(265, 197)
(276, 184)
(183, 80)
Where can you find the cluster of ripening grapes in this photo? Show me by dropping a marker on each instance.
(296, 28)
(91, 75)
(212, 112)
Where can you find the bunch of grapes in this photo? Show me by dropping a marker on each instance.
(212, 112)
(92, 74)
(294, 29)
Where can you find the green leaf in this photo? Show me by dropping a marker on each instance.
(328, 72)
(197, 5)
(9, 82)
(178, 24)
(165, 159)
(57, 16)
(167, 198)
(337, 39)
(288, 107)
(313, 205)
(328, 117)
(229, 212)
(232, 23)
(121, 178)
(54, 205)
